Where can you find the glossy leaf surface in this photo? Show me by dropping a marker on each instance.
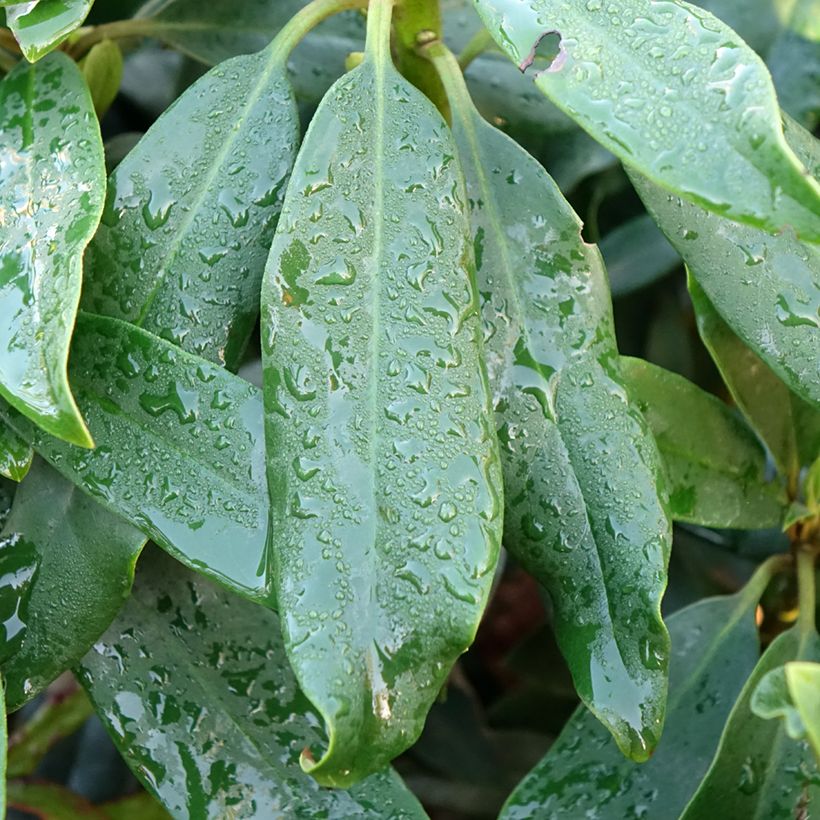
(41, 25)
(714, 462)
(225, 684)
(674, 93)
(52, 184)
(789, 426)
(382, 462)
(714, 648)
(582, 511)
(191, 211)
(767, 288)
(84, 558)
(15, 454)
(772, 699)
(803, 680)
(758, 771)
(179, 449)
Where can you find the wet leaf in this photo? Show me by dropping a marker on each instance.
(15, 454)
(714, 648)
(382, 462)
(191, 211)
(714, 462)
(581, 471)
(789, 426)
(758, 771)
(179, 449)
(84, 558)
(765, 287)
(41, 25)
(52, 183)
(674, 93)
(18, 566)
(187, 671)
(803, 680)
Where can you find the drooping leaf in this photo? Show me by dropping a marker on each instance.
(225, 684)
(179, 449)
(714, 462)
(52, 184)
(16, 454)
(580, 469)
(84, 558)
(803, 680)
(789, 426)
(674, 93)
(41, 25)
(382, 462)
(191, 210)
(767, 288)
(714, 648)
(758, 771)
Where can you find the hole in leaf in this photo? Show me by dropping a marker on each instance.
(547, 53)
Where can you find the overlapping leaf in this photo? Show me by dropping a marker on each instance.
(803, 681)
(674, 93)
(767, 288)
(41, 25)
(382, 463)
(15, 454)
(714, 648)
(52, 184)
(714, 462)
(581, 471)
(188, 672)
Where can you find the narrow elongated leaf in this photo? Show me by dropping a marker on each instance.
(714, 648)
(789, 426)
(225, 684)
(179, 449)
(382, 463)
(674, 93)
(714, 462)
(767, 288)
(581, 470)
(41, 25)
(84, 557)
(52, 183)
(191, 211)
(15, 454)
(758, 771)
(803, 680)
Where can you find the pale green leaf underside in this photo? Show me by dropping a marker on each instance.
(383, 465)
(582, 511)
(675, 94)
(52, 185)
(41, 25)
(226, 687)
(803, 681)
(714, 463)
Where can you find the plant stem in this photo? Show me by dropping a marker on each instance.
(118, 30)
(806, 593)
(480, 42)
(417, 22)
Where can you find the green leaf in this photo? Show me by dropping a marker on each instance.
(48, 801)
(674, 93)
(786, 423)
(764, 286)
(582, 511)
(16, 454)
(757, 771)
(187, 671)
(102, 68)
(772, 699)
(179, 449)
(191, 211)
(51, 197)
(756, 21)
(803, 681)
(140, 806)
(637, 254)
(62, 714)
(41, 25)
(715, 464)
(3, 746)
(714, 648)
(18, 566)
(382, 463)
(84, 558)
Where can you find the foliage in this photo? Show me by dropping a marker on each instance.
(366, 394)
